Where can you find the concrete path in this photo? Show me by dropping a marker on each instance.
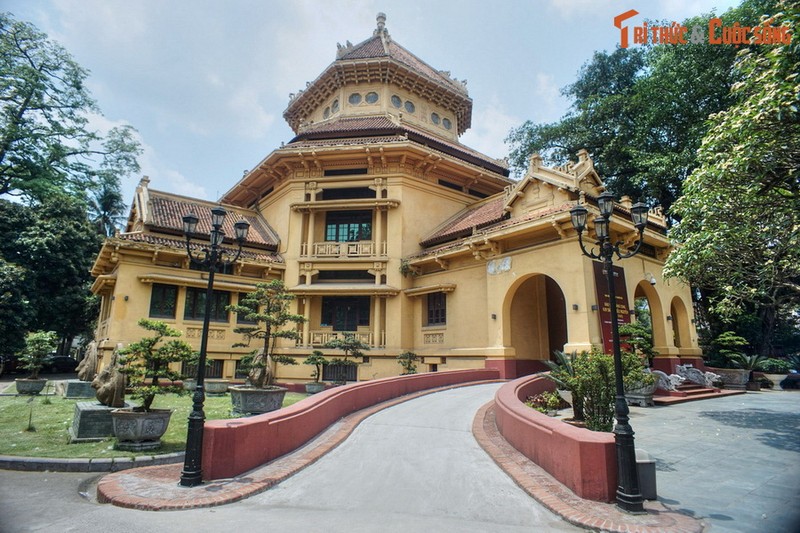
(412, 467)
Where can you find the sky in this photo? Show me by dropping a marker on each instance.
(205, 82)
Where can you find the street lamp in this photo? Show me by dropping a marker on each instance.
(629, 495)
(212, 257)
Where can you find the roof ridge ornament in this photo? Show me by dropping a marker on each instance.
(381, 29)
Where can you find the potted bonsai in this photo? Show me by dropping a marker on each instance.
(727, 358)
(351, 346)
(317, 360)
(775, 370)
(38, 345)
(145, 364)
(268, 308)
(640, 384)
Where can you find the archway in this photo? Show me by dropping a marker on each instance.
(680, 323)
(645, 290)
(537, 316)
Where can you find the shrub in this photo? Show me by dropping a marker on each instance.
(408, 360)
(776, 366)
(38, 345)
(562, 372)
(545, 402)
(595, 373)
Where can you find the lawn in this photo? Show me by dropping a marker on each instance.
(37, 426)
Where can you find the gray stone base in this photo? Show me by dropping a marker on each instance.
(74, 388)
(138, 446)
(91, 422)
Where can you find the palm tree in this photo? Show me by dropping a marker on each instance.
(106, 207)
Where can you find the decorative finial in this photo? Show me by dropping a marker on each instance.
(381, 23)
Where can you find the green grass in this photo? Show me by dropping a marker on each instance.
(51, 418)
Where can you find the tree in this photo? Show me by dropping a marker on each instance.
(739, 235)
(268, 307)
(15, 310)
(600, 120)
(46, 145)
(641, 112)
(38, 346)
(106, 207)
(51, 247)
(146, 362)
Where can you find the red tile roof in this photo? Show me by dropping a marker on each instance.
(167, 212)
(179, 244)
(377, 47)
(463, 223)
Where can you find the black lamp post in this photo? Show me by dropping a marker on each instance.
(629, 495)
(212, 258)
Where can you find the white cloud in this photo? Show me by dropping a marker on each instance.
(549, 102)
(491, 125)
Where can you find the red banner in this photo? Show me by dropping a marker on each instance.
(604, 303)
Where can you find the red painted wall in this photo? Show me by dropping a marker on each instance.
(583, 460)
(232, 447)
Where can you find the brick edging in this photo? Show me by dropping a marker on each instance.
(120, 488)
(548, 491)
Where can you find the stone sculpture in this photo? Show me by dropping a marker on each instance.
(87, 369)
(667, 382)
(110, 382)
(694, 375)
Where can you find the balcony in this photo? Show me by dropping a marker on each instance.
(320, 338)
(344, 250)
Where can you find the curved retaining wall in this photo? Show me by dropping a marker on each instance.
(583, 460)
(232, 447)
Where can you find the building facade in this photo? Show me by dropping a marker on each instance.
(384, 226)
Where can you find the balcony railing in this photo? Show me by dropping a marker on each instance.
(320, 338)
(330, 249)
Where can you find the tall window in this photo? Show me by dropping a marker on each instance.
(348, 226)
(196, 305)
(345, 313)
(163, 300)
(437, 309)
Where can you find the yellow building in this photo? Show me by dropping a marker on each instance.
(385, 226)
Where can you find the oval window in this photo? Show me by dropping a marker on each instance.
(335, 106)
(354, 99)
(446, 123)
(371, 98)
(435, 118)
(326, 113)
(410, 106)
(396, 101)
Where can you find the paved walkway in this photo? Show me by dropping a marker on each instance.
(730, 462)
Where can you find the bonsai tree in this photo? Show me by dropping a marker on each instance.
(351, 346)
(145, 363)
(639, 338)
(268, 308)
(727, 347)
(408, 360)
(38, 345)
(317, 360)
